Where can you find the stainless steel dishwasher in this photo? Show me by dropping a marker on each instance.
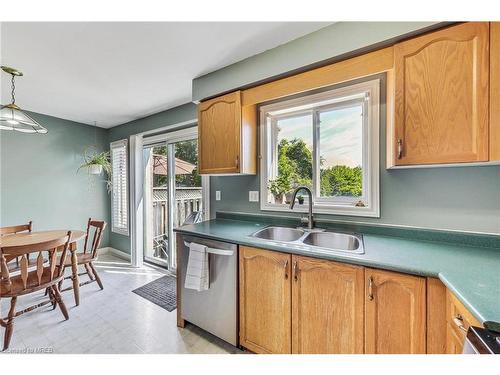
(214, 310)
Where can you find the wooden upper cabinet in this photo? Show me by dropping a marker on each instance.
(227, 136)
(265, 301)
(327, 307)
(442, 96)
(395, 313)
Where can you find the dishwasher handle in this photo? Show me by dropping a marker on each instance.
(214, 251)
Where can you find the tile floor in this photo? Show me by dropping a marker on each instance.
(113, 320)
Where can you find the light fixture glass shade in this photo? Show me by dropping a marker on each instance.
(12, 118)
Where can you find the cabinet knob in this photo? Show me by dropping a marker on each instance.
(237, 162)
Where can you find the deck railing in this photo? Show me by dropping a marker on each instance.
(183, 207)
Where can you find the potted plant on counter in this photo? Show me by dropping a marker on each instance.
(279, 187)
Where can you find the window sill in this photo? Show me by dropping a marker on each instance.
(123, 232)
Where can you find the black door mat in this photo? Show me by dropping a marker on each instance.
(162, 292)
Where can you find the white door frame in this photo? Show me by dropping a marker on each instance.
(136, 200)
(137, 143)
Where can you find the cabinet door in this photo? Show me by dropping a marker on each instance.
(395, 321)
(219, 131)
(265, 301)
(495, 91)
(327, 307)
(442, 93)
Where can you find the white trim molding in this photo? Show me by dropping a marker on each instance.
(115, 252)
(136, 200)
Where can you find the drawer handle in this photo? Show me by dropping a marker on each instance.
(459, 321)
(295, 271)
(370, 288)
(237, 161)
(286, 269)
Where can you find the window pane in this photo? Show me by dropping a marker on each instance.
(293, 144)
(341, 152)
(188, 189)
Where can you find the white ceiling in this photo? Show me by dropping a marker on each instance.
(113, 73)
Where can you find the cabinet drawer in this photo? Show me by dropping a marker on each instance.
(459, 319)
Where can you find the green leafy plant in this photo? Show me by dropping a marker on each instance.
(279, 187)
(91, 157)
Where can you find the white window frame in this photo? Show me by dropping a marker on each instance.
(124, 230)
(367, 93)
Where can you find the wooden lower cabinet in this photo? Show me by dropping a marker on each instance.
(454, 342)
(297, 304)
(327, 307)
(436, 316)
(265, 301)
(395, 313)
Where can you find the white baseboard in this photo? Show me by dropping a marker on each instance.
(115, 252)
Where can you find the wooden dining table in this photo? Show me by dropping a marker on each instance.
(31, 238)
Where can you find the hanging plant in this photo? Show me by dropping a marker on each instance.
(96, 162)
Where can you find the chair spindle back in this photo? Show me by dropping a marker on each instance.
(44, 273)
(16, 229)
(97, 227)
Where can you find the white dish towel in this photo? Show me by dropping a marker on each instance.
(197, 274)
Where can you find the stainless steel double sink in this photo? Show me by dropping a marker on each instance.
(315, 240)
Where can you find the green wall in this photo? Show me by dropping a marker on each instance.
(334, 42)
(182, 113)
(185, 112)
(455, 198)
(39, 181)
(459, 198)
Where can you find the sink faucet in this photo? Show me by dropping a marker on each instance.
(310, 222)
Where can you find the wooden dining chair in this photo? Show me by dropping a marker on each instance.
(16, 229)
(46, 276)
(14, 266)
(85, 258)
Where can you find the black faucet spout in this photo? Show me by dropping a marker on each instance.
(310, 223)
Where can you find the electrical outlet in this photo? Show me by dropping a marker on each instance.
(217, 195)
(253, 196)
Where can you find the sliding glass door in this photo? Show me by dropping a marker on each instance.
(173, 192)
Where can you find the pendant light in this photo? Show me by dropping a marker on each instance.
(12, 117)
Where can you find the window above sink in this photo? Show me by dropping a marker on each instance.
(327, 141)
